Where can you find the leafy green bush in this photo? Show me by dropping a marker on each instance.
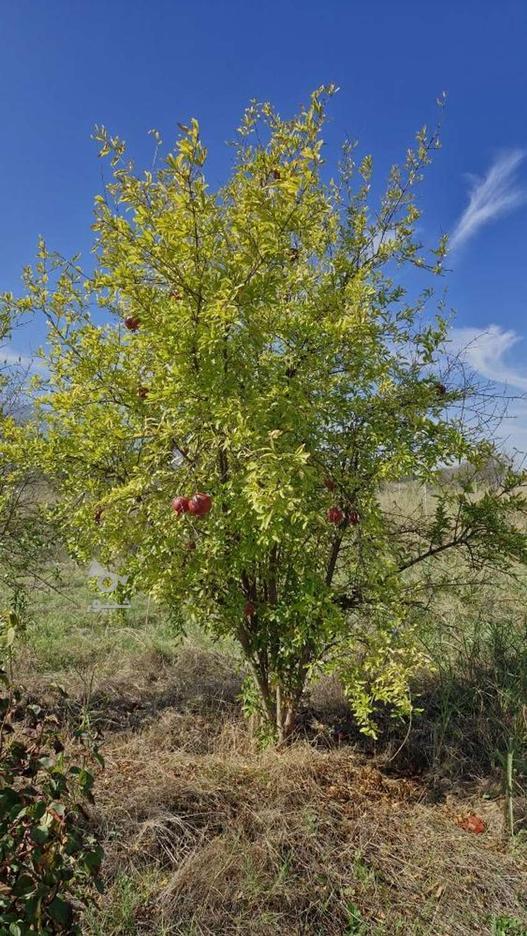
(49, 861)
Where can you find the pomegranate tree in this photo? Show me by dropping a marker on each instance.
(291, 383)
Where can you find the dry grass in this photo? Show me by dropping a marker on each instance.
(206, 835)
(142, 686)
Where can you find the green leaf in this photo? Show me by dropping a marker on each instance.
(61, 911)
(24, 885)
(93, 859)
(40, 834)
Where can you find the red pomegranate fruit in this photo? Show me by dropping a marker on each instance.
(132, 323)
(200, 504)
(180, 505)
(335, 515)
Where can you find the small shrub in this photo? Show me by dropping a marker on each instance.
(49, 861)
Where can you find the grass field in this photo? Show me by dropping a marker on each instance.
(337, 834)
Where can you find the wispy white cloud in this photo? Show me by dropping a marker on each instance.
(496, 194)
(486, 351)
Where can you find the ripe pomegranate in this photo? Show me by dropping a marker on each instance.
(180, 505)
(142, 392)
(249, 609)
(335, 515)
(329, 484)
(200, 504)
(353, 517)
(441, 389)
(132, 323)
(175, 295)
(471, 823)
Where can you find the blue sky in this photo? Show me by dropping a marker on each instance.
(133, 65)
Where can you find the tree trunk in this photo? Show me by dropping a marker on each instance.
(279, 703)
(287, 706)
